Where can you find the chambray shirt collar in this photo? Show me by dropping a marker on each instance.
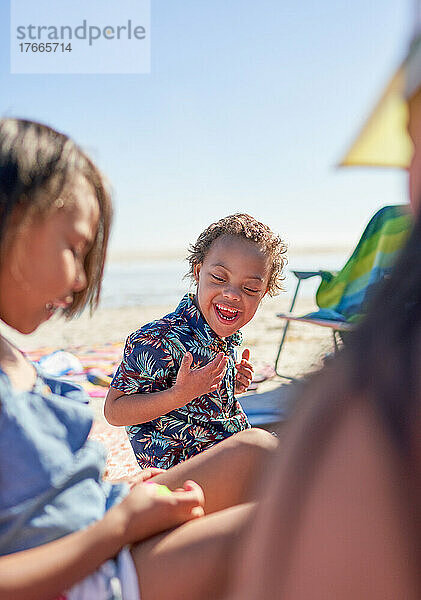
(189, 311)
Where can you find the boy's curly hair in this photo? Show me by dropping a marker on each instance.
(243, 226)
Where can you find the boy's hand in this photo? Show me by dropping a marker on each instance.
(244, 374)
(192, 383)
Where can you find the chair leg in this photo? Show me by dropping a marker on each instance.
(279, 353)
(284, 334)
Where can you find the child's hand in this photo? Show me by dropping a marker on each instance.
(143, 475)
(244, 374)
(192, 383)
(145, 512)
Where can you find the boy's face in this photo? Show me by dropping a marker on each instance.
(231, 282)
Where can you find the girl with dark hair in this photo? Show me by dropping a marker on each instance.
(38, 171)
(59, 522)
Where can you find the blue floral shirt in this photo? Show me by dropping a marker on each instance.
(152, 357)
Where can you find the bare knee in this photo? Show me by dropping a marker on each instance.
(256, 438)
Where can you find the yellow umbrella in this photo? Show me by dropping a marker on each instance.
(383, 140)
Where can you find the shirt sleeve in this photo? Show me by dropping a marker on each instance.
(147, 366)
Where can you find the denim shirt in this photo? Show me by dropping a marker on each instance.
(152, 358)
(50, 473)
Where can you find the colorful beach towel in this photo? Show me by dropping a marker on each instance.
(344, 296)
(97, 363)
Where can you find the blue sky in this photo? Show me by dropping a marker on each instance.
(248, 107)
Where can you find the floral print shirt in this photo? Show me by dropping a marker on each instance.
(152, 357)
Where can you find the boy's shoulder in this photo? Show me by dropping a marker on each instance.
(170, 325)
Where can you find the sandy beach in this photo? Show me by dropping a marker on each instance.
(305, 347)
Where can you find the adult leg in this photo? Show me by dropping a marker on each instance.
(228, 472)
(193, 561)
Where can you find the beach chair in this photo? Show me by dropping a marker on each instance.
(342, 296)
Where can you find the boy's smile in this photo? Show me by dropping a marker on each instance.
(231, 282)
(226, 313)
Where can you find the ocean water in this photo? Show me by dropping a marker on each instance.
(161, 282)
(144, 283)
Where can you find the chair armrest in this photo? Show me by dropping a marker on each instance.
(326, 275)
(331, 324)
(306, 274)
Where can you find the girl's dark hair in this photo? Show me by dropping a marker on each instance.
(38, 165)
(243, 226)
(378, 365)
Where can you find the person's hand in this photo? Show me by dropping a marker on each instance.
(244, 375)
(133, 479)
(144, 475)
(144, 512)
(191, 383)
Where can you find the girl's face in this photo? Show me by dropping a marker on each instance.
(231, 282)
(43, 266)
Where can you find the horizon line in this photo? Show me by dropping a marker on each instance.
(128, 255)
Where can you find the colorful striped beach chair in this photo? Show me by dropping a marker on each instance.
(342, 296)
